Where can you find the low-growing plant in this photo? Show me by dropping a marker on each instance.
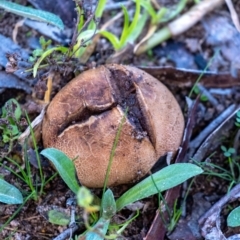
(10, 121)
(9, 193)
(130, 30)
(164, 179)
(62, 56)
(11, 125)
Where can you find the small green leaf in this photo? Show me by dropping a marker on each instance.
(16, 108)
(37, 52)
(64, 166)
(108, 205)
(32, 13)
(238, 120)
(203, 98)
(233, 219)
(57, 217)
(238, 114)
(9, 194)
(224, 149)
(231, 150)
(84, 197)
(227, 154)
(11, 107)
(42, 41)
(164, 179)
(6, 139)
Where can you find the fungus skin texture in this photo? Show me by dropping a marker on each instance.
(83, 118)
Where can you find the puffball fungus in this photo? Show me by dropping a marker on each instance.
(83, 118)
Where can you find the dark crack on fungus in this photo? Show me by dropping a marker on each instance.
(82, 117)
(125, 95)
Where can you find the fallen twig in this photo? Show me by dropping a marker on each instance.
(210, 221)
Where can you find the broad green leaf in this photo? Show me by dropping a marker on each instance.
(164, 179)
(108, 205)
(101, 226)
(32, 13)
(9, 194)
(233, 219)
(57, 217)
(64, 166)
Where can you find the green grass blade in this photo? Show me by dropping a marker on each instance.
(173, 13)
(125, 24)
(64, 166)
(136, 17)
(138, 30)
(149, 8)
(9, 194)
(32, 13)
(46, 54)
(164, 179)
(111, 38)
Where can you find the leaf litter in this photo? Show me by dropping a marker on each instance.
(224, 73)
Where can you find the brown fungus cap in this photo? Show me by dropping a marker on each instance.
(83, 118)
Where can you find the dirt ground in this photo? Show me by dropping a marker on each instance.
(212, 45)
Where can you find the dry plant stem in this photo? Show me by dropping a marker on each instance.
(181, 24)
(15, 30)
(195, 143)
(67, 233)
(214, 211)
(182, 77)
(204, 147)
(234, 15)
(36, 125)
(49, 88)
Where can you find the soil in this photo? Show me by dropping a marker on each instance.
(215, 35)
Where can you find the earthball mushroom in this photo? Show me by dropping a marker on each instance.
(83, 118)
